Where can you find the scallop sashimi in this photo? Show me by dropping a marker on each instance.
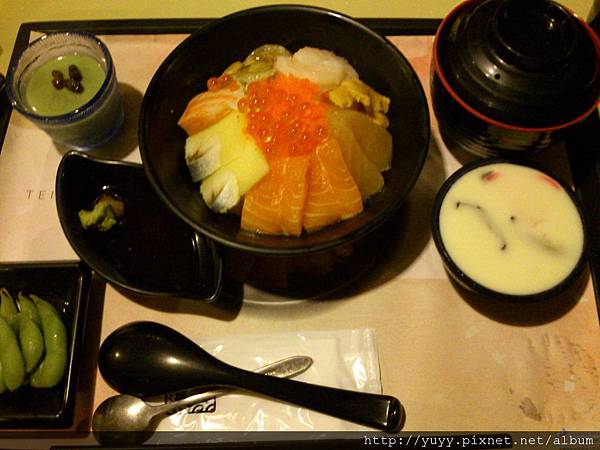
(322, 67)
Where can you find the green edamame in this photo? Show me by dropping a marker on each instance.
(27, 307)
(53, 366)
(31, 341)
(2, 385)
(13, 366)
(50, 371)
(8, 308)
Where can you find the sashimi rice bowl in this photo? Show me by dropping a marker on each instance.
(291, 143)
(284, 130)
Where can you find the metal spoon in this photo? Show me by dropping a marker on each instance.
(127, 413)
(147, 358)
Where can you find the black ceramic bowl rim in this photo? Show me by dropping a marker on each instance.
(65, 224)
(463, 278)
(436, 65)
(353, 235)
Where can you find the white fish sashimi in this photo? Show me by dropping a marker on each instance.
(322, 67)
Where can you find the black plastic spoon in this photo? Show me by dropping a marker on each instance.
(147, 358)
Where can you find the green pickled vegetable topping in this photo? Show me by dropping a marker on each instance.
(257, 65)
(106, 213)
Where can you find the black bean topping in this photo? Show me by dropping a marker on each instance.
(74, 85)
(74, 73)
(57, 79)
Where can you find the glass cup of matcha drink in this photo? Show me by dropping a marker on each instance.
(66, 84)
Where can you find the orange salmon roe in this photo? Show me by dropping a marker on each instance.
(285, 115)
(217, 83)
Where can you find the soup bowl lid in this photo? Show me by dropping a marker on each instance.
(529, 64)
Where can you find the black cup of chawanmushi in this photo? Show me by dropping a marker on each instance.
(509, 76)
(509, 231)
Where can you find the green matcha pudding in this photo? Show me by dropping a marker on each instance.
(66, 84)
(45, 99)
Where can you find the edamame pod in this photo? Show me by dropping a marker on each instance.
(50, 371)
(27, 307)
(13, 366)
(2, 385)
(31, 341)
(53, 366)
(8, 308)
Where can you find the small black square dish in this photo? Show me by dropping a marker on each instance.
(66, 287)
(147, 250)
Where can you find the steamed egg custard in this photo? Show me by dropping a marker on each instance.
(290, 142)
(511, 228)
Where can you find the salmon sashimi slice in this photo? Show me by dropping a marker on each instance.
(295, 177)
(275, 205)
(208, 108)
(332, 192)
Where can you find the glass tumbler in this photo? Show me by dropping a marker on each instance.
(40, 80)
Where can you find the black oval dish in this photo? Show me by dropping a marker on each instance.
(66, 286)
(467, 282)
(210, 50)
(151, 251)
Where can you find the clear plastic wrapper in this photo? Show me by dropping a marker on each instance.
(345, 359)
